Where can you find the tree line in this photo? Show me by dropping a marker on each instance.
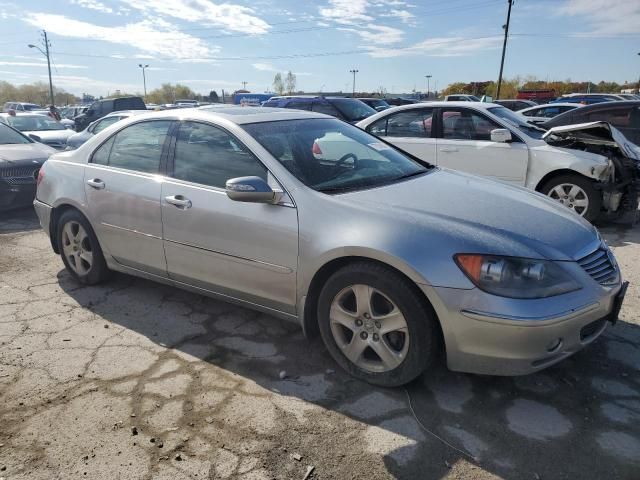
(37, 92)
(510, 87)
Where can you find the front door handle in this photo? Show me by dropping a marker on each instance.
(448, 149)
(179, 201)
(96, 183)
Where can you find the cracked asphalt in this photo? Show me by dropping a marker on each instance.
(135, 380)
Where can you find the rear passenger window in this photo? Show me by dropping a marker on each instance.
(138, 147)
(409, 123)
(299, 105)
(210, 156)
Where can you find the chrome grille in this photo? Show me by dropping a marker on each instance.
(600, 266)
(19, 175)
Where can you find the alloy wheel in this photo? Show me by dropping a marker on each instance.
(77, 249)
(369, 328)
(571, 196)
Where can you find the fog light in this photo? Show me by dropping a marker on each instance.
(554, 345)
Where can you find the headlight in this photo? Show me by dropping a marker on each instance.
(516, 277)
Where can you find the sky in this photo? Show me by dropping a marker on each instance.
(97, 45)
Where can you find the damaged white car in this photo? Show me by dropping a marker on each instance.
(593, 177)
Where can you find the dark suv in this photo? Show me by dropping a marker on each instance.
(100, 108)
(350, 110)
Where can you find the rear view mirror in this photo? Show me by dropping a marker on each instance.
(500, 135)
(250, 189)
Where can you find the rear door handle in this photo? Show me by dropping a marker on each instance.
(179, 201)
(96, 183)
(448, 149)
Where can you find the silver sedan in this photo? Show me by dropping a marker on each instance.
(305, 217)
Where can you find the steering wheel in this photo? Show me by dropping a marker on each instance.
(346, 157)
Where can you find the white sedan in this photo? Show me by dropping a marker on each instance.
(491, 140)
(542, 113)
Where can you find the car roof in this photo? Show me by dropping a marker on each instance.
(238, 115)
(26, 114)
(607, 105)
(556, 104)
(118, 113)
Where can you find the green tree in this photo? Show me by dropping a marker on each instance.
(278, 85)
(213, 96)
(169, 93)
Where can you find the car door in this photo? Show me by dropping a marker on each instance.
(247, 251)
(123, 185)
(464, 143)
(411, 130)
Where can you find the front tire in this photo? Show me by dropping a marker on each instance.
(375, 324)
(575, 192)
(80, 249)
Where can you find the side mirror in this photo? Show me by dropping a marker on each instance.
(35, 137)
(250, 189)
(501, 135)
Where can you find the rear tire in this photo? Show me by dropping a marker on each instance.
(577, 193)
(375, 324)
(80, 249)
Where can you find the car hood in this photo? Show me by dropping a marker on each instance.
(478, 215)
(79, 138)
(26, 152)
(594, 133)
(52, 135)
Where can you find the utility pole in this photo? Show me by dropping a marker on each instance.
(244, 85)
(428, 77)
(144, 79)
(638, 89)
(354, 71)
(46, 54)
(504, 48)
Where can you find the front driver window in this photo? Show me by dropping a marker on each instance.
(463, 124)
(210, 156)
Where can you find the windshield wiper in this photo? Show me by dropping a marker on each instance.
(409, 175)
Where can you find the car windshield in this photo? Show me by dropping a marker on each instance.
(352, 109)
(8, 136)
(34, 123)
(378, 103)
(517, 121)
(331, 156)
(31, 106)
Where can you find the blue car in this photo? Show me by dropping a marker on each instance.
(350, 110)
(587, 98)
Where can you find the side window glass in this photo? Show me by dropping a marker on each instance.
(466, 125)
(299, 105)
(210, 156)
(104, 123)
(101, 155)
(139, 146)
(325, 108)
(411, 123)
(378, 128)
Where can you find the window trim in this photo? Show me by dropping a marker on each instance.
(162, 167)
(171, 156)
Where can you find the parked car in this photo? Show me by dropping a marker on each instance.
(378, 104)
(350, 110)
(516, 105)
(21, 107)
(490, 140)
(541, 113)
(385, 255)
(461, 98)
(624, 115)
(77, 139)
(629, 96)
(588, 98)
(20, 161)
(396, 101)
(40, 128)
(186, 103)
(72, 111)
(100, 108)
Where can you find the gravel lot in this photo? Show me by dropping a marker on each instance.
(136, 380)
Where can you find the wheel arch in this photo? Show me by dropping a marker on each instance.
(56, 214)
(558, 173)
(309, 315)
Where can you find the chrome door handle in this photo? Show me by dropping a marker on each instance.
(96, 183)
(179, 201)
(448, 149)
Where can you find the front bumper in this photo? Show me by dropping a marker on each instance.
(531, 336)
(16, 196)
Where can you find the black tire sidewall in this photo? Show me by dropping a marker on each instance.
(98, 271)
(420, 322)
(595, 198)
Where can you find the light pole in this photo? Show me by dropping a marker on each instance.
(46, 54)
(354, 71)
(244, 85)
(428, 77)
(144, 79)
(638, 89)
(504, 48)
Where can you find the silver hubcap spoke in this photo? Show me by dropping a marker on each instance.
(571, 196)
(76, 247)
(369, 328)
